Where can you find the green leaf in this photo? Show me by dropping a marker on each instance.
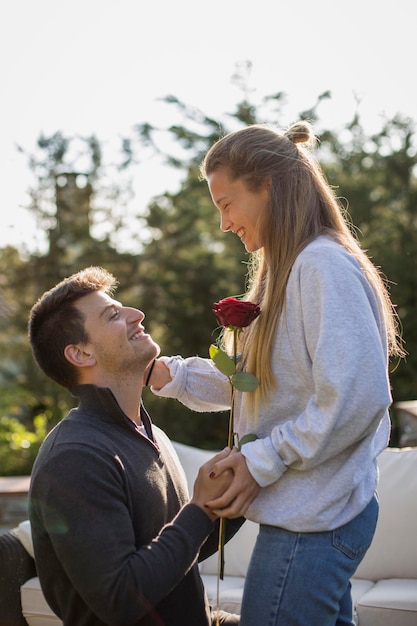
(247, 439)
(222, 361)
(244, 381)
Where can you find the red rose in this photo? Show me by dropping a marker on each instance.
(236, 313)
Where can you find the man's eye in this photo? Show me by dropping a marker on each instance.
(114, 314)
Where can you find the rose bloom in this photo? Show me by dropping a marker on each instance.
(236, 313)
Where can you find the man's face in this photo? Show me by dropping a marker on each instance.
(118, 341)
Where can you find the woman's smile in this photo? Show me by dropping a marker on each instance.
(240, 208)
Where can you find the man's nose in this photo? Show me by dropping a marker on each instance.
(134, 314)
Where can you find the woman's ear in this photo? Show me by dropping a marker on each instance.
(78, 356)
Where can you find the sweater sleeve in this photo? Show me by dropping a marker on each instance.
(196, 383)
(85, 514)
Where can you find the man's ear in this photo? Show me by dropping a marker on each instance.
(79, 356)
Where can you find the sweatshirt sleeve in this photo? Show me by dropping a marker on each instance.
(337, 358)
(196, 383)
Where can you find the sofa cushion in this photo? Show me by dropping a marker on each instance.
(389, 602)
(238, 550)
(230, 592)
(359, 588)
(191, 460)
(34, 606)
(24, 534)
(393, 552)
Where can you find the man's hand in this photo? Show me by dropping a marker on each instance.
(207, 488)
(235, 501)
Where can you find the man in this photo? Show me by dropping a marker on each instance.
(116, 537)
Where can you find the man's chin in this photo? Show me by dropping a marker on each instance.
(157, 350)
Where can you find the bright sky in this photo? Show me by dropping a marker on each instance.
(98, 66)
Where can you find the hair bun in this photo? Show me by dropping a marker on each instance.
(300, 132)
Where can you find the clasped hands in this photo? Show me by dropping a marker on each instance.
(224, 487)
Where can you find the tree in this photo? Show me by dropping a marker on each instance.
(62, 203)
(185, 263)
(377, 175)
(188, 265)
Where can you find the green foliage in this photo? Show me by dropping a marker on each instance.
(19, 446)
(222, 361)
(184, 269)
(377, 175)
(186, 264)
(206, 430)
(243, 381)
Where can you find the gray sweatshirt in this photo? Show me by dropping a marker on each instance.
(320, 432)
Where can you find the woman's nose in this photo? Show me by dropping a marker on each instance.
(225, 223)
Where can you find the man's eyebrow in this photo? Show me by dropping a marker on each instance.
(111, 305)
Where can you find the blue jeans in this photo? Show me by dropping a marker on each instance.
(303, 579)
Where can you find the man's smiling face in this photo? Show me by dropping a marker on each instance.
(117, 338)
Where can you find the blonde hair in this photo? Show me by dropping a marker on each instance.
(302, 206)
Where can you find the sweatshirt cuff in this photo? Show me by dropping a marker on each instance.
(264, 463)
(178, 372)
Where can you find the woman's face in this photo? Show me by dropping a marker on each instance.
(240, 209)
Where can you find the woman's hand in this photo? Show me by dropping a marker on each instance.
(205, 488)
(159, 377)
(243, 489)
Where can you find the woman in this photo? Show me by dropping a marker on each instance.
(320, 351)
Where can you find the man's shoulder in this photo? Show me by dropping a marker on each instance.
(75, 431)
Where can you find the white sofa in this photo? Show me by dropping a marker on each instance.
(384, 589)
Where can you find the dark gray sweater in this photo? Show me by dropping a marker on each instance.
(115, 542)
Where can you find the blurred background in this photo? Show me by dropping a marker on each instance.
(107, 108)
